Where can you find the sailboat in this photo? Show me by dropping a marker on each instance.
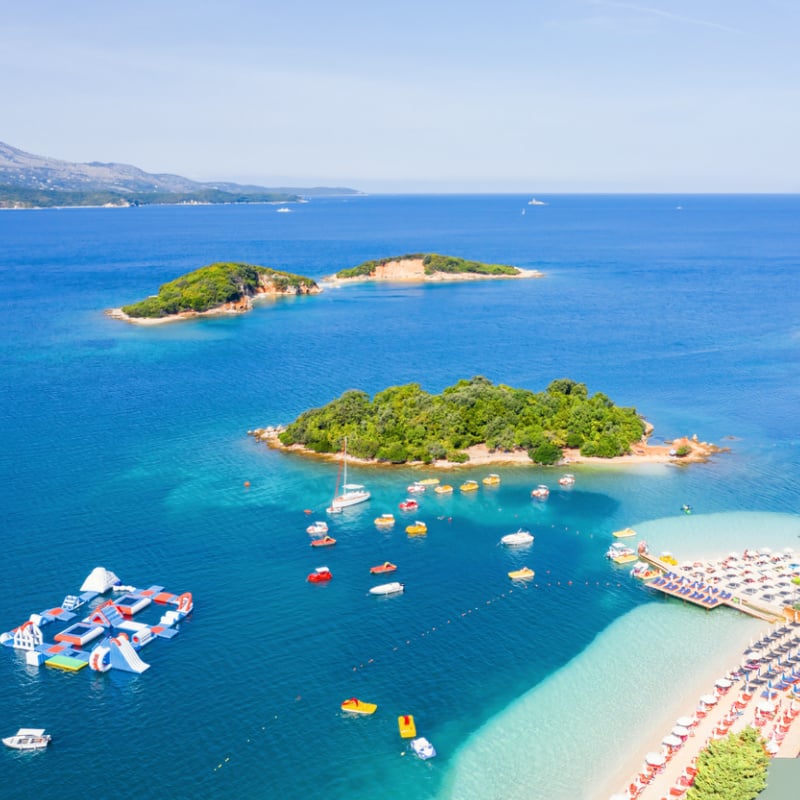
(351, 494)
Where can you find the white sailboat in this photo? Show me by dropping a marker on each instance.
(351, 494)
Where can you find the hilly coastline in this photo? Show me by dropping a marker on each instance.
(33, 181)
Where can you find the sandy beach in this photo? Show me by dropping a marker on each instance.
(480, 455)
(735, 706)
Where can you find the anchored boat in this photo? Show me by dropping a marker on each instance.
(356, 706)
(28, 739)
(387, 588)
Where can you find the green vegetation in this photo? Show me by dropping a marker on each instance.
(18, 197)
(211, 286)
(734, 768)
(432, 263)
(405, 423)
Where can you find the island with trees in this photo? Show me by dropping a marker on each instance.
(429, 267)
(219, 288)
(404, 424)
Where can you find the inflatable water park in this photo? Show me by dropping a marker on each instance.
(107, 625)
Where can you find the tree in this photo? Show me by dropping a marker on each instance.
(734, 768)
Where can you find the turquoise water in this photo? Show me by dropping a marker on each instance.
(126, 447)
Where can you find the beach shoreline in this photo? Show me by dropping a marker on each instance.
(480, 456)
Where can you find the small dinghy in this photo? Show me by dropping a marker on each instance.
(422, 748)
(387, 588)
(28, 739)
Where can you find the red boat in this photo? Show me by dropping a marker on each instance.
(387, 566)
(409, 504)
(320, 575)
(325, 541)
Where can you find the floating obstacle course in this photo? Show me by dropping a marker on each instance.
(109, 624)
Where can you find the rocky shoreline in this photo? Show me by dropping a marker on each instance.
(642, 452)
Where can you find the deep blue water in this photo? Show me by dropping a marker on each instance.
(126, 447)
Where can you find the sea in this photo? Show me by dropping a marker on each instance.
(127, 447)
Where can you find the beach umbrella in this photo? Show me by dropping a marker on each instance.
(680, 730)
(655, 759)
(670, 740)
(766, 707)
(723, 683)
(708, 700)
(685, 722)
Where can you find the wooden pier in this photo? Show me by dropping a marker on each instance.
(705, 595)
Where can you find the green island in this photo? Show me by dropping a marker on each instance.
(432, 263)
(215, 286)
(22, 197)
(405, 423)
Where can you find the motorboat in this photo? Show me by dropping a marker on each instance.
(567, 479)
(620, 554)
(422, 748)
(541, 492)
(320, 575)
(519, 538)
(351, 493)
(28, 739)
(534, 202)
(415, 488)
(523, 574)
(409, 504)
(445, 488)
(318, 528)
(624, 533)
(387, 566)
(493, 479)
(325, 541)
(417, 529)
(356, 706)
(395, 587)
(407, 727)
(384, 521)
(469, 486)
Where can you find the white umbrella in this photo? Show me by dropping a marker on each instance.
(708, 700)
(723, 683)
(766, 707)
(680, 730)
(685, 722)
(670, 740)
(655, 759)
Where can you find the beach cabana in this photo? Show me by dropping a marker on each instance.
(671, 740)
(655, 759)
(708, 700)
(686, 722)
(681, 732)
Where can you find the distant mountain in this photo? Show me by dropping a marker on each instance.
(28, 180)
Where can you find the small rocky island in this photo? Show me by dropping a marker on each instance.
(219, 288)
(429, 267)
(476, 421)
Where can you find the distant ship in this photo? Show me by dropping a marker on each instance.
(534, 202)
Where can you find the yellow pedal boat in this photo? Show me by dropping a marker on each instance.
(491, 480)
(428, 482)
(469, 486)
(356, 706)
(408, 730)
(523, 574)
(417, 529)
(624, 533)
(384, 521)
(445, 488)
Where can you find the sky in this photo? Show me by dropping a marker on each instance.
(415, 96)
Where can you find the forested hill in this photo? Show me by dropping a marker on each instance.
(405, 423)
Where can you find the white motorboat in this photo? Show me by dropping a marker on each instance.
(534, 202)
(28, 739)
(519, 538)
(541, 492)
(352, 493)
(318, 528)
(387, 588)
(423, 748)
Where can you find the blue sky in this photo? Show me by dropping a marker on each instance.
(559, 96)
